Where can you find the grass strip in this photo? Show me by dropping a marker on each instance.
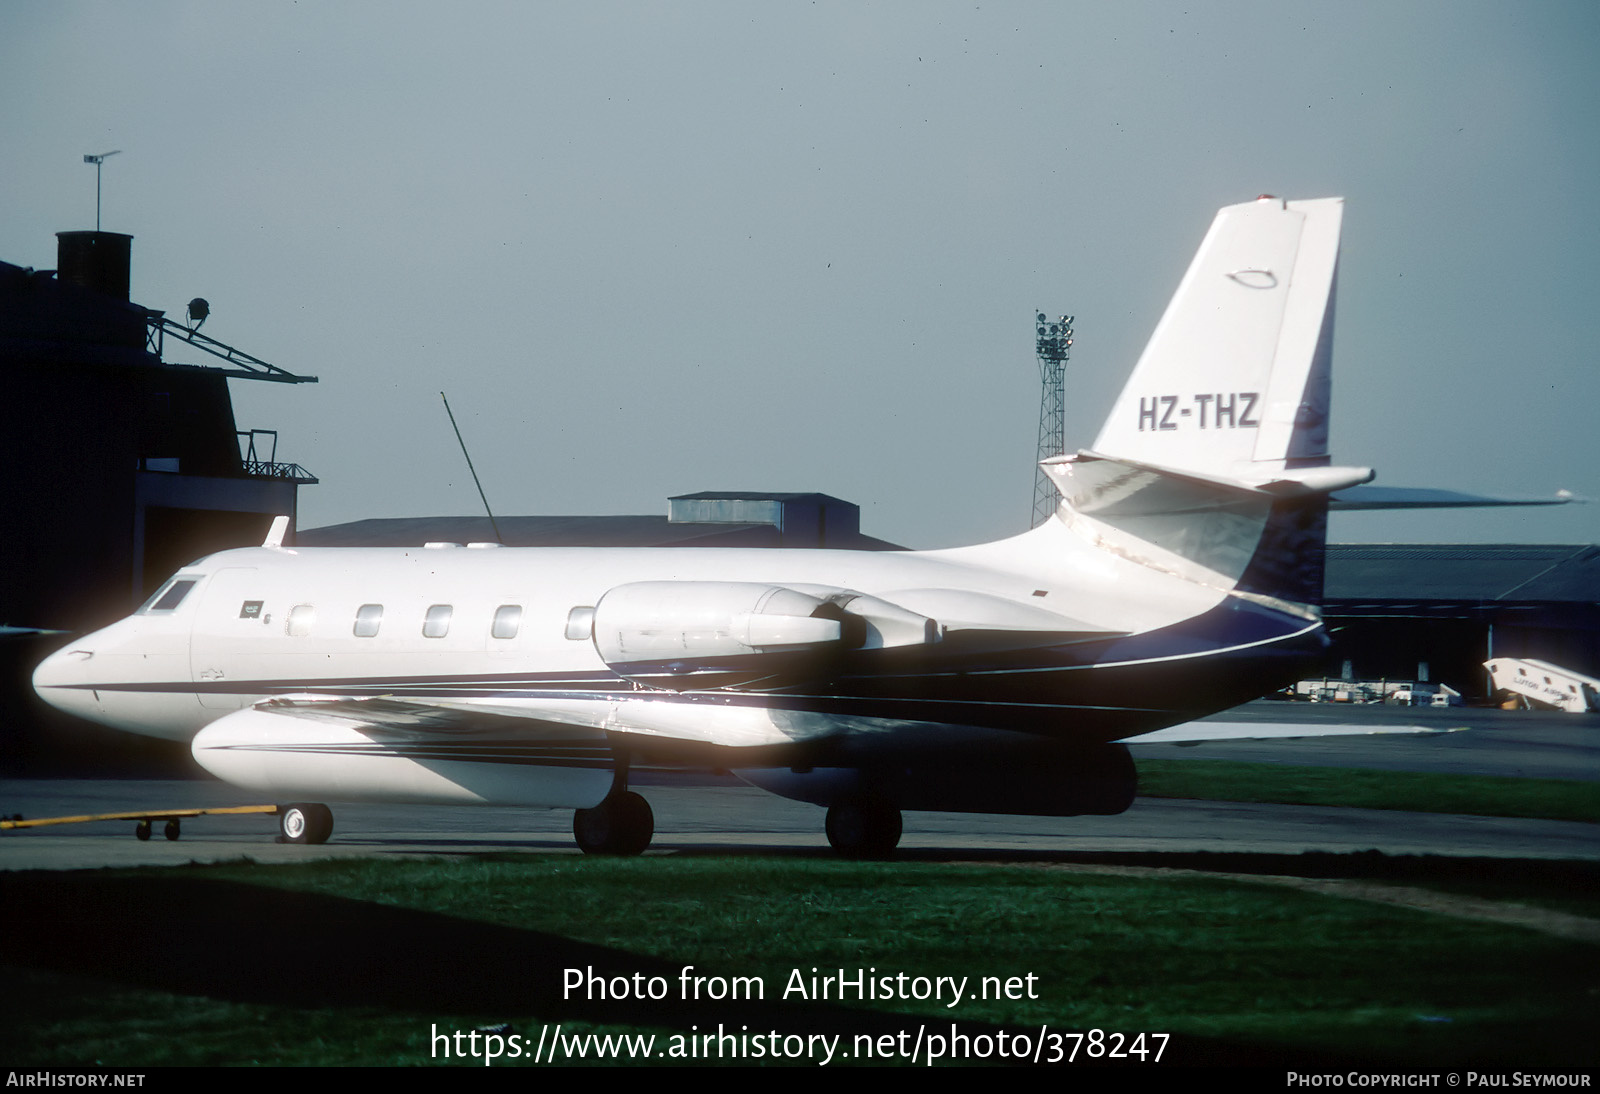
(351, 962)
(1365, 788)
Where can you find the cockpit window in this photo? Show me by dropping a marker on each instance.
(170, 595)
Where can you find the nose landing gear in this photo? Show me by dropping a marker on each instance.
(304, 822)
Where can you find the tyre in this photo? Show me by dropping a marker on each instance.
(305, 822)
(864, 829)
(623, 824)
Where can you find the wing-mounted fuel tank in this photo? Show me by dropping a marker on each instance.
(383, 751)
(683, 635)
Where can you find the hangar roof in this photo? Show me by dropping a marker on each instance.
(1463, 572)
(748, 495)
(579, 531)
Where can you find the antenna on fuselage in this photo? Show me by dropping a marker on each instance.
(498, 538)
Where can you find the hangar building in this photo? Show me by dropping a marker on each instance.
(1436, 611)
(714, 518)
(120, 463)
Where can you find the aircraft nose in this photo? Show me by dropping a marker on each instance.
(60, 678)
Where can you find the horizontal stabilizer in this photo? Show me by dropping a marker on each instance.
(1106, 485)
(1206, 526)
(1422, 497)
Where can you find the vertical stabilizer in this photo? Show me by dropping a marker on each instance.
(1214, 462)
(1234, 382)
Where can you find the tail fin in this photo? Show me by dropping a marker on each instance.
(1235, 378)
(1214, 462)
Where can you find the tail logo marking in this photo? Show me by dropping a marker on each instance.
(1255, 278)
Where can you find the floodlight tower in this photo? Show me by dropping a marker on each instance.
(1054, 346)
(97, 161)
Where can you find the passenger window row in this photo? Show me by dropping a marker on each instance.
(435, 624)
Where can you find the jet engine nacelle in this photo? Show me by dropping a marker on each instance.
(696, 634)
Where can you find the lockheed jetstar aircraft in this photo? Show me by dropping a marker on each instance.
(1179, 577)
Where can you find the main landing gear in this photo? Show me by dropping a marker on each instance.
(863, 829)
(304, 822)
(621, 825)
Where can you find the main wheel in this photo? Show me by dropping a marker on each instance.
(623, 824)
(172, 830)
(305, 822)
(863, 829)
(142, 830)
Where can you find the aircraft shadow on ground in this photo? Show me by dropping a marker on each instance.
(238, 943)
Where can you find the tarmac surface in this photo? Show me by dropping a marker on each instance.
(1463, 741)
(709, 813)
(743, 819)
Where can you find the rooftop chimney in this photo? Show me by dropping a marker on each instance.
(95, 260)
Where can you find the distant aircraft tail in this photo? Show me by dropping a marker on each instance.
(1214, 462)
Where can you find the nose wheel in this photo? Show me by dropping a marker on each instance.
(305, 822)
(623, 824)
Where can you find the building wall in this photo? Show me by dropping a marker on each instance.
(116, 466)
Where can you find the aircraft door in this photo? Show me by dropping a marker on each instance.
(229, 625)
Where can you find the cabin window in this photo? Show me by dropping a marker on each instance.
(301, 616)
(437, 623)
(507, 620)
(368, 616)
(580, 624)
(171, 596)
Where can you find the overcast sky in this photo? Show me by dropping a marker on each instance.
(650, 249)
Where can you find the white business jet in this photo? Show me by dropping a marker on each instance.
(1180, 576)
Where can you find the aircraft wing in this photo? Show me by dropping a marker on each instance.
(519, 731)
(691, 725)
(408, 716)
